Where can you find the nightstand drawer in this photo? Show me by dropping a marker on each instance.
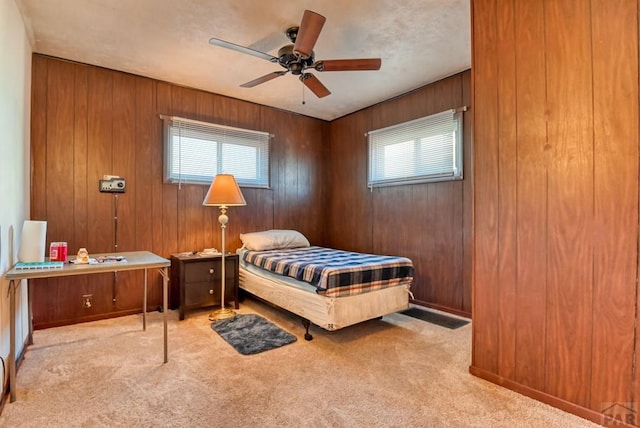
(201, 294)
(200, 272)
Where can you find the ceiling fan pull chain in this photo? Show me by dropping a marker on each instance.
(303, 101)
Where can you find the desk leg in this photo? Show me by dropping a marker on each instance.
(165, 292)
(30, 312)
(144, 303)
(12, 340)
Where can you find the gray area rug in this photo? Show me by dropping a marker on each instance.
(252, 334)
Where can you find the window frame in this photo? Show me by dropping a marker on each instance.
(374, 149)
(259, 140)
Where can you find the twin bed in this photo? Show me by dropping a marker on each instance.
(329, 288)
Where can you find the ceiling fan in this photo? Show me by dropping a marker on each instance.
(299, 57)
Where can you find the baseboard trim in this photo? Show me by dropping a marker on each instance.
(551, 400)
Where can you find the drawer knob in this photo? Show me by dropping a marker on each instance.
(210, 291)
(211, 271)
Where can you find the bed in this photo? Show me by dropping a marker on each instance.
(330, 288)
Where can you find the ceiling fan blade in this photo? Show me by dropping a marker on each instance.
(348, 64)
(262, 79)
(242, 49)
(312, 82)
(308, 33)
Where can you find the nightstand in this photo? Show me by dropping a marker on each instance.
(196, 281)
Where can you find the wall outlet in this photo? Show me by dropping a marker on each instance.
(87, 300)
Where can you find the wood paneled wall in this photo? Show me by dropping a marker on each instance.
(556, 200)
(88, 121)
(429, 223)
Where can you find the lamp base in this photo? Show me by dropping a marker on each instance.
(221, 314)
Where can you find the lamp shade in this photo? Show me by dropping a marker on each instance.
(224, 191)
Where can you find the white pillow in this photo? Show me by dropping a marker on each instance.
(274, 239)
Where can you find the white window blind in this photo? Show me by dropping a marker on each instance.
(196, 151)
(418, 151)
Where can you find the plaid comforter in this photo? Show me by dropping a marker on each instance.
(334, 272)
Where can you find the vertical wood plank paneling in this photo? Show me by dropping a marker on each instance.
(169, 229)
(576, 124)
(59, 171)
(143, 189)
(467, 197)
(392, 234)
(288, 179)
(570, 199)
(531, 194)
(124, 156)
(435, 210)
(127, 289)
(209, 229)
(80, 184)
(358, 176)
(426, 266)
(148, 154)
(362, 232)
(38, 208)
(80, 153)
(615, 81)
(337, 222)
(507, 195)
(157, 186)
(156, 139)
(39, 87)
(311, 185)
(100, 210)
(100, 159)
(440, 204)
(59, 149)
(277, 164)
(486, 204)
(451, 239)
(280, 209)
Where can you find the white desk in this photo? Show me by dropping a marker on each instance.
(136, 260)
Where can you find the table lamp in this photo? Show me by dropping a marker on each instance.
(224, 192)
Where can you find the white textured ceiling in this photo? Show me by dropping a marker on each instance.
(419, 41)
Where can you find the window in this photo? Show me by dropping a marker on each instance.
(422, 150)
(196, 151)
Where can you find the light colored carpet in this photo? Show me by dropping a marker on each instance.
(394, 372)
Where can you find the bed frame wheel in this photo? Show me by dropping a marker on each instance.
(306, 323)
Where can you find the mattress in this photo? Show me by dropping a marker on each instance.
(334, 272)
(330, 313)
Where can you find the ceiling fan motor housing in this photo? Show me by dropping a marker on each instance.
(292, 62)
